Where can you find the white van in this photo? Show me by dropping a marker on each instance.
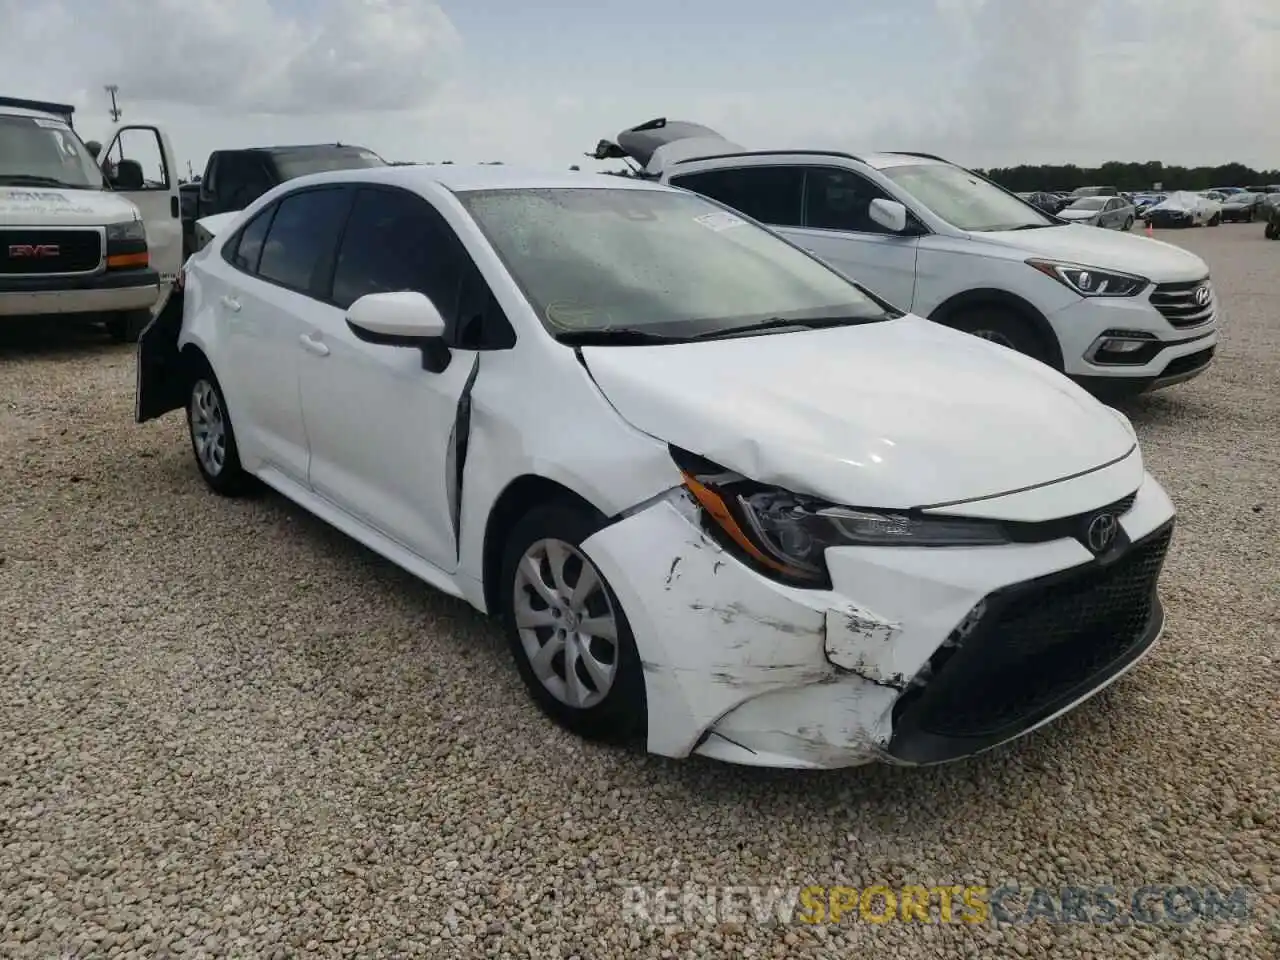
(75, 241)
(1119, 314)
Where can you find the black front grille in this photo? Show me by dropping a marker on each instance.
(1037, 647)
(40, 252)
(1177, 303)
(1192, 361)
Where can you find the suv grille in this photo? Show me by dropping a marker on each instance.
(1039, 646)
(1177, 302)
(37, 252)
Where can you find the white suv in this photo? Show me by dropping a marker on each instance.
(1119, 314)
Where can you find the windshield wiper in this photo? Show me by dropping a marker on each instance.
(781, 323)
(614, 337)
(30, 180)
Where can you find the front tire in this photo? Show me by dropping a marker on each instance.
(127, 327)
(213, 440)
(1272, 232)
(568, 633)
(1001, 326)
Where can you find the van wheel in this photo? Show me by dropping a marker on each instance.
(568, 633)
(127, 327)
(1001, 326)
(213, 441)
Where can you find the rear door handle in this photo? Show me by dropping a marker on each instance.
(231, 303)
(313, 346)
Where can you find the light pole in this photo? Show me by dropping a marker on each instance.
(113, 89)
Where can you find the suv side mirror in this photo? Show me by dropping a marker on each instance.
(889, 214)
(402, 319)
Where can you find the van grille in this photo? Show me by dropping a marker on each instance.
(26, 251)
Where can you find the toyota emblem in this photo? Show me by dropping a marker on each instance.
(1102, 532)
(1202, 295)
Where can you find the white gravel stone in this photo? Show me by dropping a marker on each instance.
(228, 731)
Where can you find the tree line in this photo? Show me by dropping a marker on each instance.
(1128, 176)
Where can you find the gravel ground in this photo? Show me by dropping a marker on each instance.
(229, 731)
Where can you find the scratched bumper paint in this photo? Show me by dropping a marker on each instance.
(740, 668)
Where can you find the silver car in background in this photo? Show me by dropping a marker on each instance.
(1115, 213)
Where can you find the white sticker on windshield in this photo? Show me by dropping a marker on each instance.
(50, 124)
(719, 221)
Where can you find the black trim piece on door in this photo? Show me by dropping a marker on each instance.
(461, 440)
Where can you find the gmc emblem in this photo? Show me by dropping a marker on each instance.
(20, 251)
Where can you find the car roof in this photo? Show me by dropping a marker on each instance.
(459, 178)
(24, 112)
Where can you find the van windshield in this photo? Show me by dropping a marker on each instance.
(965, 200)
(633, 265)
(39, 151)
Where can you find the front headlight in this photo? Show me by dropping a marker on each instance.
(128, 230)
(786, 535)
(1089, 282)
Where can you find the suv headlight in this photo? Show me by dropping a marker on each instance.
(786, 535)
(1090, 282)
(128, 230)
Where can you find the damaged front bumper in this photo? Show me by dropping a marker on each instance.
(916, 656)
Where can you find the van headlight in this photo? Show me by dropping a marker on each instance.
(1091, 282)
(127, 230)
(786, 535)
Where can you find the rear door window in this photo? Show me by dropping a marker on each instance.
(772, 195)
(302, 237)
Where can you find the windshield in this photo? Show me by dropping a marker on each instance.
(1089, 203)
(965, 200)
(37, 151)
(661, 262)
(300, 164)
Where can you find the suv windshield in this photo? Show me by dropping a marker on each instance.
(965, 200)
(39, 151)
(300, 163)
(656, 263)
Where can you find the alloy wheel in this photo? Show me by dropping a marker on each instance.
(566, 623)
(208, 427)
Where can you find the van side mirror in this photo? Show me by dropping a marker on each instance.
(402, 319)
(889, 214)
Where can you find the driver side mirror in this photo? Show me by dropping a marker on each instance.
(889, 214)
(402, 319)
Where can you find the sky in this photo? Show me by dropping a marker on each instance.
(981, 82)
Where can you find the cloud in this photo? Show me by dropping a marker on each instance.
(252, 56)
(1090, 80)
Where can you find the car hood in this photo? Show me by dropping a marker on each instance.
(1078, 214)
(45, 207)
(898, 414)
(1104, 249)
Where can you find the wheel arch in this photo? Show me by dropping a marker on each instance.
(517, 498)
(974, 299)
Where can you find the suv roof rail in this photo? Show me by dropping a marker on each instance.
(771, 153)
(922, 156)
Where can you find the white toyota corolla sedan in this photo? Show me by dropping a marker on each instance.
(723, 499)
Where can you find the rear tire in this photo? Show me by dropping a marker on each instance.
(1272, 232)
(1128, 225)
(589, 682)
(127, 327)
(1002, 326)
(1215, 220)
(213, 440)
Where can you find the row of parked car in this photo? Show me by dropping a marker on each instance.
(1108, 207)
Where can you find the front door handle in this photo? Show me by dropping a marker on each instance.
(231, 303)
(313, 346)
